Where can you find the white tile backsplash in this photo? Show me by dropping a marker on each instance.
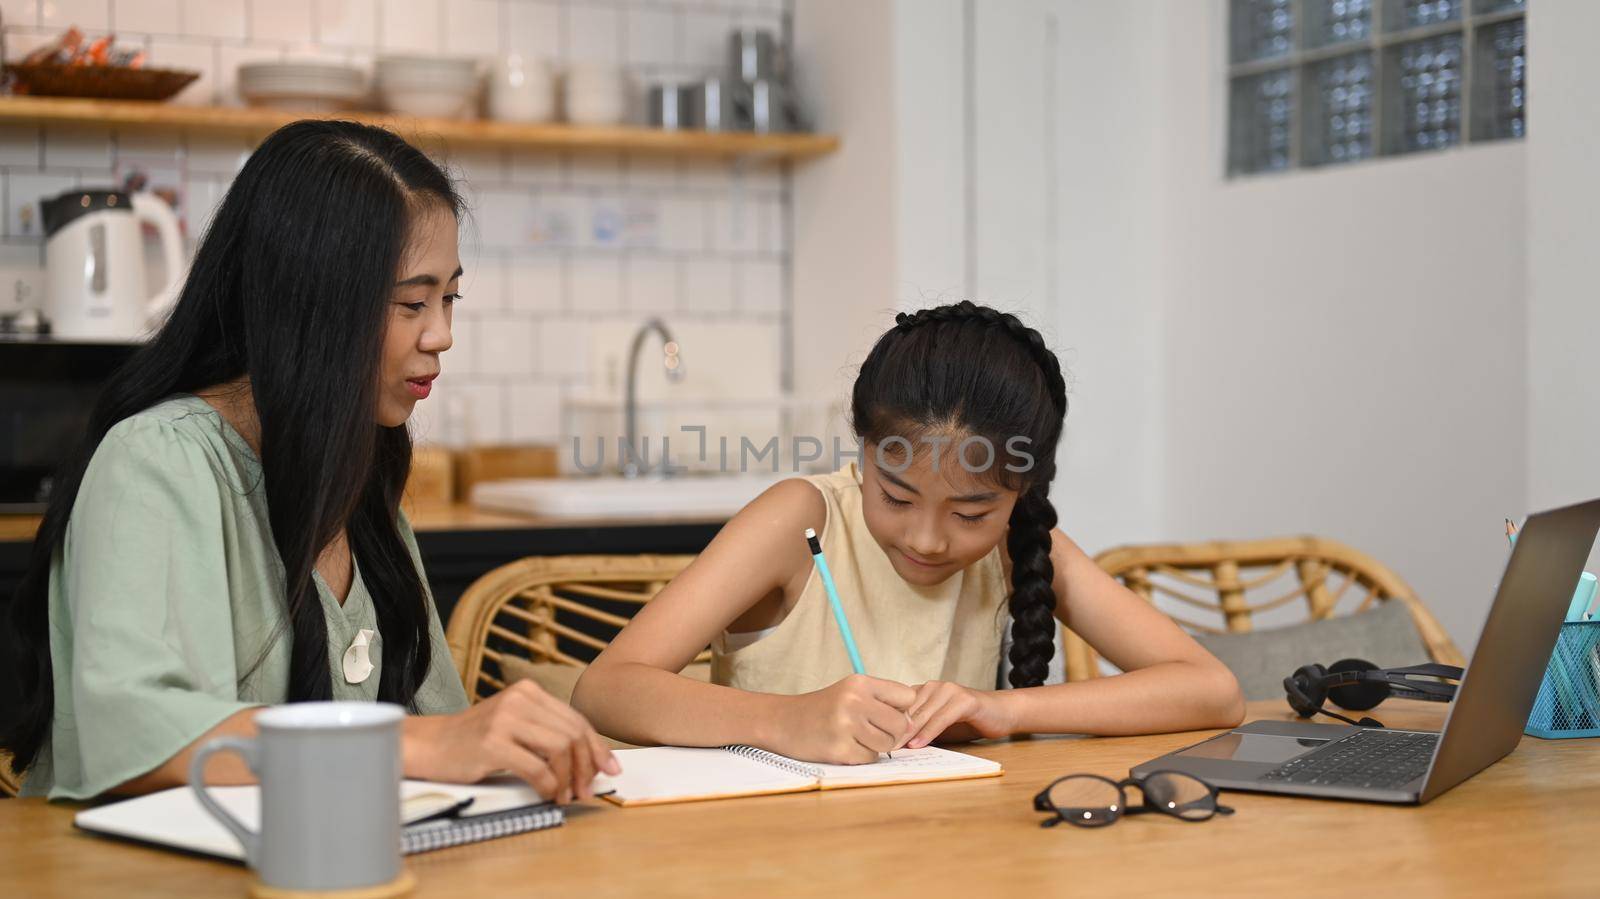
(565, 254)
(651, 37)
(409, 26)
(708, 285)
(77, 147)
(215, 18)
(652, 284)
(506, 345)
(19, 145)
(594, 34)
(483, 408)
(595, 283)
(761, 286)
(347, 23)
(564, 348)
(20, 12)
(89, 15)
(281, 20)
(476, 28)
(148, 16)
(483, 286)
(536, 283)
(536, 30)
(533, 412)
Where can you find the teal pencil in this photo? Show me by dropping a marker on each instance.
(833, 600)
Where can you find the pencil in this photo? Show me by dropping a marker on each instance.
(1511, 532)
(833, 600)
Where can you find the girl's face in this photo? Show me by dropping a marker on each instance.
(419, 315)
(931, 524)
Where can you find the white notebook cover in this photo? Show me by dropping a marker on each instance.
(174, 818)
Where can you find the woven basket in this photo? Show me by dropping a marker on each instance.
(101, 82)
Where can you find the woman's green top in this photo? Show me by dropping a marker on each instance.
(167, 605)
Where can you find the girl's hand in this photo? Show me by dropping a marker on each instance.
(941, 705)
(521, 729)
(848, 723)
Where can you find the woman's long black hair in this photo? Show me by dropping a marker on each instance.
(969, 370)
(290, 287)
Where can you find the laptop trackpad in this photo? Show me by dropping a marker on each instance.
(1245, 747)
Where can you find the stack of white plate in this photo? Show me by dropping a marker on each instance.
(309, 86)
(430, 86)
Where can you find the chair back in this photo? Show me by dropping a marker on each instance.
(550, 609)
(1220, 587)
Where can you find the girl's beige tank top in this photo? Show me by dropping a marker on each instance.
(951, 631)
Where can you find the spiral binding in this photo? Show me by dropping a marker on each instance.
(459, 831)
(777, 761)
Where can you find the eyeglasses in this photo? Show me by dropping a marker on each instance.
(1089, 800)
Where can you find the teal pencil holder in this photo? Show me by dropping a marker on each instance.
(1568, 704)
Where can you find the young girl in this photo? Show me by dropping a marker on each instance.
(231, 536)
(942, 528)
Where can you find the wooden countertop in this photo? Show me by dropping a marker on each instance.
(1525, 826)
(430, 517)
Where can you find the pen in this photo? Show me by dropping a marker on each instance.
(833, 600)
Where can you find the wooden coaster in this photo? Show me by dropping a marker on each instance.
(400, 886)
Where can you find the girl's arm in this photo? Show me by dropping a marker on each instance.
(1170, 683)
(633, 690)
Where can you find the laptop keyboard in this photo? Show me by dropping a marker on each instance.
(1368, 758)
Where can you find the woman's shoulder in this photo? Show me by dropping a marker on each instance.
(181, 436)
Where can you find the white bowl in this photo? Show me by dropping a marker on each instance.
(431, 104)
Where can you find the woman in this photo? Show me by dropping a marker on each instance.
(230, 535)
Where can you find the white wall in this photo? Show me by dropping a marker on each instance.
(1344, 349)
(1563, 313)
(1339, 352)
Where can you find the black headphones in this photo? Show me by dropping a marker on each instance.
(1358, 685)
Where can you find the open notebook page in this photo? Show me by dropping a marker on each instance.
(907, 766)
(679, 774)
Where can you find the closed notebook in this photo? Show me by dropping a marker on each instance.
(676, 774)
(436, 815)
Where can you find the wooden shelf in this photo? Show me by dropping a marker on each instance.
(253, 122)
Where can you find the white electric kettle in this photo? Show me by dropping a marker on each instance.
(94, 254)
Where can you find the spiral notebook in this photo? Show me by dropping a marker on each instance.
(664, 774)
(436, 815)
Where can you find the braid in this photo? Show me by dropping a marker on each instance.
(1031, 340)
(1033, 598)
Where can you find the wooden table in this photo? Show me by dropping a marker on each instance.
(1527, 826)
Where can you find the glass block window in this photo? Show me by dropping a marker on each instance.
(1339, 124)
(1326, 82)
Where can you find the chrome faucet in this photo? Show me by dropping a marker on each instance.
(673, 363)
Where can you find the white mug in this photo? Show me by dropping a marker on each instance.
(521, 90)
(330, 794)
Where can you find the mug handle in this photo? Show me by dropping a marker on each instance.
(249, 839)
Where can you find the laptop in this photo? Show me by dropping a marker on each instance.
(1485, 720)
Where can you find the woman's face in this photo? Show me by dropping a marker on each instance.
(419, 315)
(931, 523)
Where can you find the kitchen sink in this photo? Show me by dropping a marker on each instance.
(689, 496)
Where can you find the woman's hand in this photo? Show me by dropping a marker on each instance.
(848, 723)
(521, 729)
(941, 705)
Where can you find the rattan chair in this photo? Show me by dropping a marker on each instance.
(10, 784)
(1217, 579)
(553, 609)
